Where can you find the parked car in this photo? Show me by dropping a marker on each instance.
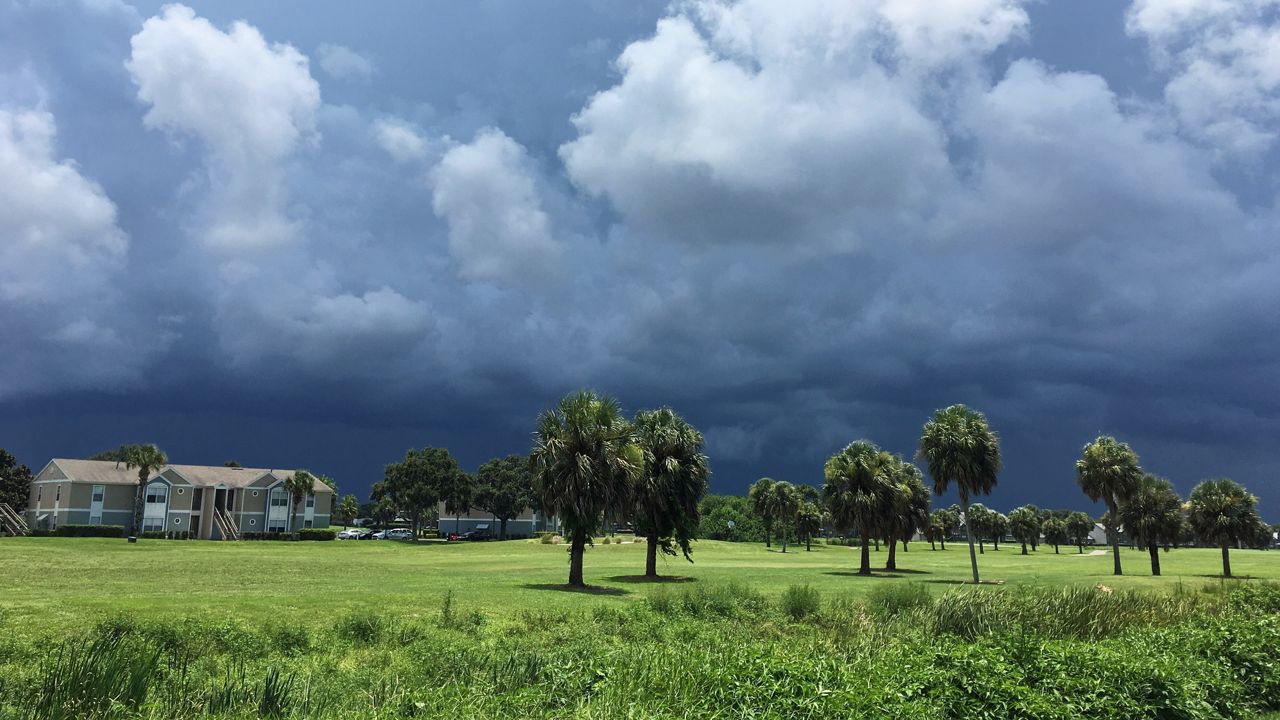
(365, 535)
(398, 534)
(476, 535)
(351, 534)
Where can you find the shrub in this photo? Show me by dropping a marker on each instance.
(320, 534)
(889, 600)
(800, 601)
(606, 541)
(153, 534)
(107, 531)
(362, 627)
(551, 540)
(95, 679)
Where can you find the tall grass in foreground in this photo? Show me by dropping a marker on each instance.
(697, 650)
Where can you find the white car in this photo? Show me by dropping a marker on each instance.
(350, 534)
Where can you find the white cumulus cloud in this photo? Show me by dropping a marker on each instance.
(498, 230)
(343, 63)
(250, 102)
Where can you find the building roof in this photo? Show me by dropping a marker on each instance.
(109, 472)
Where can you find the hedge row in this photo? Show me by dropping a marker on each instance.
(167, 535)
(107, 531)
(304, 534)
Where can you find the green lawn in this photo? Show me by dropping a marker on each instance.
(61, 581)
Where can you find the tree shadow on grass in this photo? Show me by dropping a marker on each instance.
(964, 582)
(877, 573)
(587, 590)
(1219, 576)
(645, 579)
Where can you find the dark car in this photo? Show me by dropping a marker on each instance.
(365, 535)
(476, 535)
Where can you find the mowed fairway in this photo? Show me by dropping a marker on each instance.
(73, 581)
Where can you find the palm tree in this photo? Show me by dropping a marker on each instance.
(960, 448)
(584, 462)
(1108, 470)
(999, 528)
(980, 522)
(809, 522)
(1223, 513)
(1152, 516)
(348, 509)
(786, 505)
(298, 485)
(1055, 532)
(1024, 524)
(857, 491)
(674, 481)
(936, 531)
(1079, 525)
(762, 499)
(147, 459)
(908, 509)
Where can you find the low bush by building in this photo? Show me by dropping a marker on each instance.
(107, 531)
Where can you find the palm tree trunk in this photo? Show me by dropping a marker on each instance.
(502, 529)
(1024, 548)
(933, 545)
(651, 556)
(995, 543)
(577, 547)
(877, 544)
(892, 562)
(784, 538)
(904, 545)
(808, 543)
(1155, 559)
(768, 534)
(982, 546)
(943, 541)
(137, 510)
(1055, 549)
(865, 567)
(973, 557)
(1114, 537)
(1226, 560)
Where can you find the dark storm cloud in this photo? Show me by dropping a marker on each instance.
(797, 226)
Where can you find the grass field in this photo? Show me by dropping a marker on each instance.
(94, 629)
(60, 581)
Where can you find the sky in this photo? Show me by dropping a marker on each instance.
(316, 234)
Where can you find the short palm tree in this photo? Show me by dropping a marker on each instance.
(147, 459)
(857, 490)
(1108, 470)
(584, 462)
(761, 497)
(348, 509)
(1223, 513)
(1024, 525)
(1055, 532)
(786, 505)
(666, 496)
(300, 484)
(960, 448)
(809, 522)
(1153, 516)
(1079, 525)
(908, 510)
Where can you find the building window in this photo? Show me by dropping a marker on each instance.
(39, 492)
(98, 492)
(306, 523)
(311, 500)
(181, 491)
(255, 493)
(157, 493)
(157, 507)
(197, 498)
(177, 521)
(95, 519)
(58, 495)
(278, 511)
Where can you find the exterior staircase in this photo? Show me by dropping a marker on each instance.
(226, 525)
(11, 522)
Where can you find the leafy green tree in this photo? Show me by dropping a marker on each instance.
(762, 500)
(1055, 532)
(858, 490)
(666, 495)
(417, 483)
(459, 494)
(504, 487)
(116, 454)
(1152, 516)
(950, 519)
(231, 464)
(300, 484)
(961, 449)
(584, 461)
(908, 508)
(15, 482)
(146, 459)
(1079, 525)
(1223, 514)
(936, 530)
(809, 522)
(1024, 525)
(1108, 470)
(729, 517)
